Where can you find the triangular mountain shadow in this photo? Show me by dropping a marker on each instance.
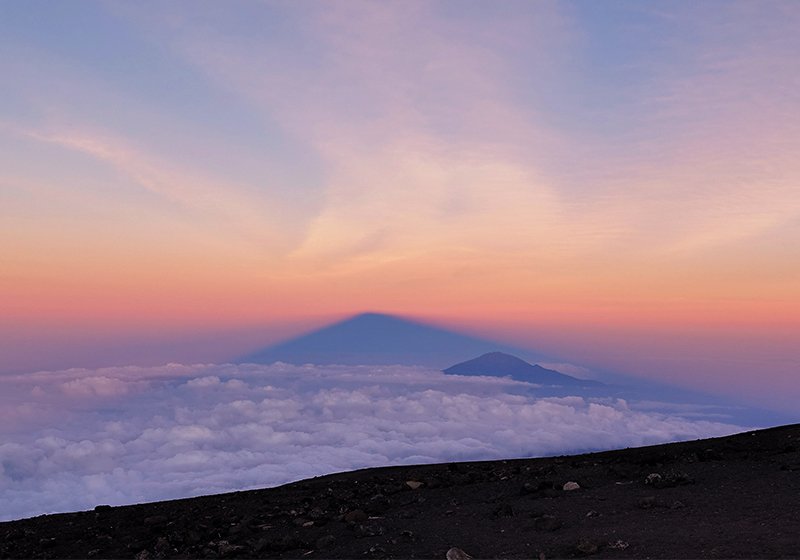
(374, 338)
(499, 364)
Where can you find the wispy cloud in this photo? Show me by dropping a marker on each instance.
(257, 217)
(426, 132)
(415, 126)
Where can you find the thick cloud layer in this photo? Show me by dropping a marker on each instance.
(77, 438)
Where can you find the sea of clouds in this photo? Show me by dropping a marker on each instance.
(77, 438)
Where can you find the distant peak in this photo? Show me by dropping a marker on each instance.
(384, 319)
(373, 315)
(501, 364)
(498, 356)
(493, 361)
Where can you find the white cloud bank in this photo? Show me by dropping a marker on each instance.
(77, 438)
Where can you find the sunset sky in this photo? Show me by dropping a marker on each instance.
(616, 184)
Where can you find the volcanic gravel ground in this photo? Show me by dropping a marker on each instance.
(733, 497)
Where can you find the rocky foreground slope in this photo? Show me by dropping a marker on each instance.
(733, 497)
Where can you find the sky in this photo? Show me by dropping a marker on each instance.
(74, 439)
(615, 184)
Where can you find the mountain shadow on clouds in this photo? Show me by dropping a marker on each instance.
(499, 364)
(378, 339)
(374, 338)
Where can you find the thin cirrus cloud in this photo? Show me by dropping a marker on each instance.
(429, 133)
(412, 123)
(256, 216)
(76, 438)
(425, 132)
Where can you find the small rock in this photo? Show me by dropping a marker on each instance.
(378, 504)
(162, 547)
(653, 479)
(618, 545)
(262, 544)
(368, 531)
(546, 523)
(143, 555)
(14, 534)
(355, 516)
(592, 513)
(457, 554)
(677, 504)
(408, 535)
(414, 484)
(101, 508)
(316, 513)
(155, 520)
(647, 502)
(709, 454)
(587, 546)
(503, 510)
(227, 549)
(570, 486)
(47, 543)
(326, 541)
(434, 483)
(668, 479)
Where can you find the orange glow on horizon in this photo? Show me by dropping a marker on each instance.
(538, 184)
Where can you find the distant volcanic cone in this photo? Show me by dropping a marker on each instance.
(499, 364)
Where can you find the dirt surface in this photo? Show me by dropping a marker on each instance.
(733, 497)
